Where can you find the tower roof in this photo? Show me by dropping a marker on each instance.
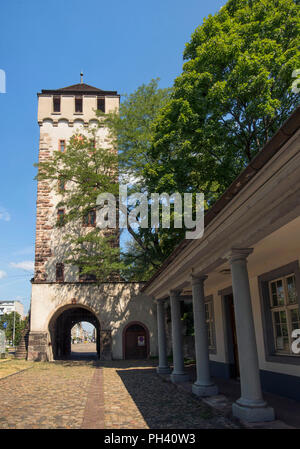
(77, 89)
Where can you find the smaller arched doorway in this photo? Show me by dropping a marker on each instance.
(135, 341)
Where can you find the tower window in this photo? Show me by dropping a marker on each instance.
(78, 104)
(85, 277)
(101, 104)
(62, 145)
(90, 218)
(60, 272)
(61, 184)
(56, 104)
(61, 217)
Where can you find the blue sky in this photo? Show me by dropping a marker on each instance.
(119, 45)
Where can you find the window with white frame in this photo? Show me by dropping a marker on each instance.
(209, 319)
(285, 312)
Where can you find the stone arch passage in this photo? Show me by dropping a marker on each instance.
(135, 341)
(60, 330)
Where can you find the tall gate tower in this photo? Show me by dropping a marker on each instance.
(60, 296)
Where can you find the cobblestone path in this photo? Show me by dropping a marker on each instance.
(49, 395)
(110, 395)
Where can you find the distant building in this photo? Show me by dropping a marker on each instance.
(11, 306)
(77, 332)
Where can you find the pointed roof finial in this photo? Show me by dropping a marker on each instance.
(81, 78)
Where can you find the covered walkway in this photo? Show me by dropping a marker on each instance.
(244, 279)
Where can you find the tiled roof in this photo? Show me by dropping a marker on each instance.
(80, 88)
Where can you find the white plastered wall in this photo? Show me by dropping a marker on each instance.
(277, 250)
(115, 305)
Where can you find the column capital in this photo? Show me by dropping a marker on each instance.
(174, 293)
(196, 280)
(238, 254)
(160, 301)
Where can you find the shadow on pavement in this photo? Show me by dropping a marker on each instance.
(160, 403)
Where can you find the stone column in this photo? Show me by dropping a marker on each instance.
(250, 407)
(163, 367)
(178, 373)
(203, 385)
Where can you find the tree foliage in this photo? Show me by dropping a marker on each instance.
(232, 96)
(131, 130)
(20, 325)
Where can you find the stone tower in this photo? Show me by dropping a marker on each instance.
(60, 296)
(61, 114)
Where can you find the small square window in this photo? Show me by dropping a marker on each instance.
(285, 312)
(90, 218)
(60, 272)
(101, 104)
(61, 185)
(291, 289)
(277, 293)
(78, 104)
(85, 277)
(61, 217)
(209, 318)
(56, 104)
(62, 145)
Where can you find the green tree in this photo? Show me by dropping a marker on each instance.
(131, 130)
(232, 96)
(20, 325)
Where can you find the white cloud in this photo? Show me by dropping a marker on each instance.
(27, 265)
(3, 274)
(4, 215)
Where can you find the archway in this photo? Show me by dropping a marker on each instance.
(135, 341)
(83, 341)
(61, 325)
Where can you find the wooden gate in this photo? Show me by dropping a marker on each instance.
(136, 342)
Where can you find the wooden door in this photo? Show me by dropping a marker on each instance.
(135, 342)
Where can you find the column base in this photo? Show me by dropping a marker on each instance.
(205, 390)
(179, 377)
(253, 414)
(163, 370)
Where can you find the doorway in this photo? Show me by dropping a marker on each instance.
(135, 341)
(231, 336)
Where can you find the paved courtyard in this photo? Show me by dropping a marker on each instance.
(89, 394)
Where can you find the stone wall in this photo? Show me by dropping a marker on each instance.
(43, 229)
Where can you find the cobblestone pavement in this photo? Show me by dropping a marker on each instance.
(49, 395)
(111, 395)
